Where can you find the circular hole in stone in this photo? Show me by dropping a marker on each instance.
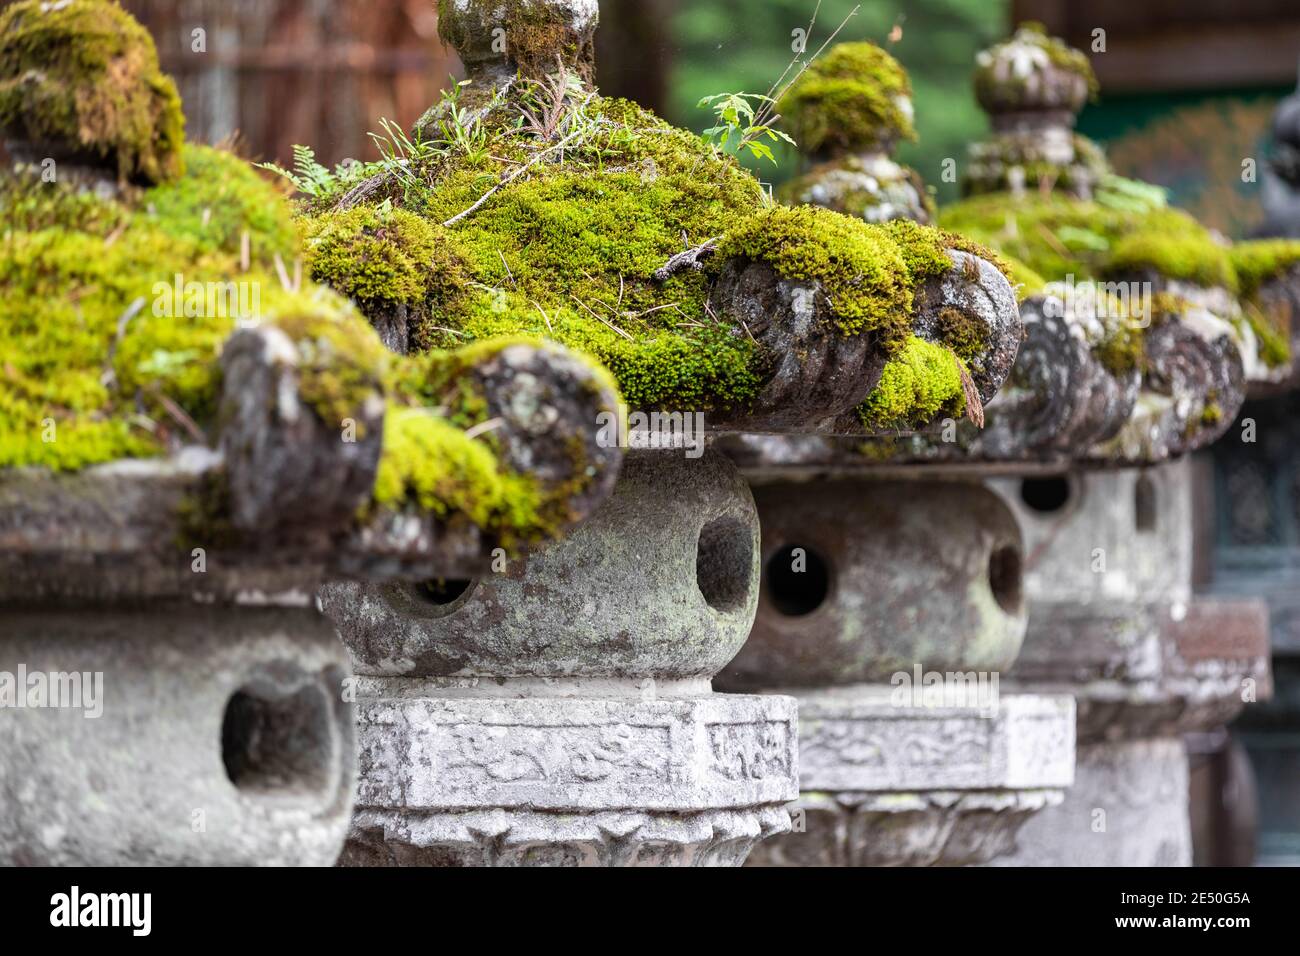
(724, 562)
(798, 580)
(443, 591)
(1045, 495)
(276, 742)
(1006, 579)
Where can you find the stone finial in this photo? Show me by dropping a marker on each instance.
(857, 99)
(502, 37)
(847, 113)
(1032, 75)
(1032, 86)
(80, 81)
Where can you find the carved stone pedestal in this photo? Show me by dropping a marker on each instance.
(560, 712)
(890, 610)
(885, 785)
(1113, 621)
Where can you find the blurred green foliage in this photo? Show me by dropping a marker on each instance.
(731, 46)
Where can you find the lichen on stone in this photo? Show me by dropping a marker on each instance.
(81, 78)
(533, 33)
(1035, 68)
(856, 96)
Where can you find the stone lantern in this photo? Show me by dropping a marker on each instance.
(560, 710)
(195, 438)
(1096, 388)
(1112, 615)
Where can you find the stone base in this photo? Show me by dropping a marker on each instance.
(938, 828)
(205, 735)
(553, 780)
(1128, 807)
(525, 838)
(893, 786)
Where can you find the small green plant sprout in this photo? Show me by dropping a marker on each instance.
(460, 129)
(757, 111)
(319, 182)
(402, 157)
(738, 129)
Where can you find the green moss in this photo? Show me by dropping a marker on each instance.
(1189, 257)
(1122, 350)
(99, 352)
(923, 381)
(342, 363)
(1272, 333)
(965, 335)
(1057, 237)
(82, 77)
(380, 255)
(568, 252)
(868, 273)
(857, 95)
(1259, 261)
(221, 203)
(114, 310)
(430, 464)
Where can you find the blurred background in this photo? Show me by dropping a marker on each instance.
(1188, 86)
(1188, 91)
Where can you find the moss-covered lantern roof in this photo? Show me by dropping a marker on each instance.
(170, 379)
(537, 207)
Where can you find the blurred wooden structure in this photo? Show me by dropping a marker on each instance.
(1165, 45)
(317, 72)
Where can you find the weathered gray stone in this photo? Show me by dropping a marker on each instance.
(1128, 807)
(876, 555)
(560, 712)
(822, 376)
(888, 785)
(869, 185)
(545, 780)
(497, 39)
(661, 582)
(224, 738)
(287, 470)
(893, 584)
(1113, 620)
